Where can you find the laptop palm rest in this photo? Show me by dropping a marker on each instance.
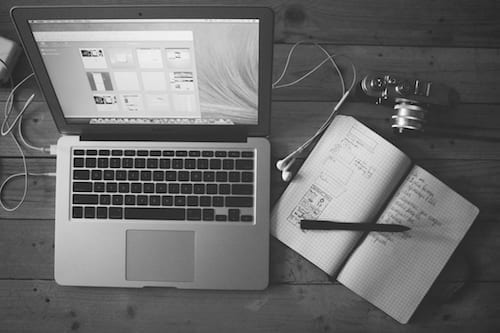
(160, 255)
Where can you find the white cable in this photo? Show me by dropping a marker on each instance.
(287, 63)
(285, 164)
(8, 109)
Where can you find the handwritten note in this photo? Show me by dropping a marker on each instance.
(394, 271)
(347, 177)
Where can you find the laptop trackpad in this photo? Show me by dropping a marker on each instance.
(160, 255)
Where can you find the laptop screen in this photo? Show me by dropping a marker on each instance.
(152, 71)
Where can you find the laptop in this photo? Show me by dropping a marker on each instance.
(163, 166)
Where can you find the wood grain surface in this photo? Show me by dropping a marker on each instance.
(452, 42)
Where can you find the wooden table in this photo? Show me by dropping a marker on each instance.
(453, 42)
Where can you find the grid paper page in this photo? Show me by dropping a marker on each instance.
(347, 178)
(395, 271)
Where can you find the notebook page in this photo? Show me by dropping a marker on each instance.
(347, 177)
(394, 271)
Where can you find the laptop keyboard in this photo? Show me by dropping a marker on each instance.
(192, 185)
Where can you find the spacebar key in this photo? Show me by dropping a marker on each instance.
(155, 213)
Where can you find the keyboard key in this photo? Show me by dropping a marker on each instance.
(228, 164)
(239, 201)
(115, 212)
(117, 199)
(220, 153)
(91, 152)
(208, 214)
(234, 177)
(179, 200)
(154, 200)
(90, 162)
(104, 152)
(221, 176)
(104, 199)
(149, 188)
(193, 214)
(247, 154)
(233, 215)
(246, 218)
(130, 200)
(102, 162)
(123, 187)
(147, 213)
(221, 217)
(102, 212)
(183, 176)
(78, 162)
(142, 200)
(224, 189)
(99, 187)
(167, 200)
(218, 201)
(140, 163)
(82, 187)
(128, 163)
(205, 201)
(108, 175)
(85, 199)
(161, 188)
(117, 152)
(111, 187)
(192, 201)
(77, 212)
(78, 152)
(152, 163)
(89, 212)
(173, 188)
(244, 164)
(247, 177)
(241, 189)
(96, 175)
(215, 164)
(121, 175)
(81, 174)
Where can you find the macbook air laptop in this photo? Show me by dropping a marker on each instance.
(163, 165)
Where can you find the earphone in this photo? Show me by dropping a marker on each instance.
(285, 164)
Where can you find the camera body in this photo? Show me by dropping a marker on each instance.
(412, 98)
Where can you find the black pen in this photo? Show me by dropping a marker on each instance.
(331, 225)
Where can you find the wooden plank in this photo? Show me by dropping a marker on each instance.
(391, 22)
(467, 132)
(27, 252)
(472, 72)
(34, 306)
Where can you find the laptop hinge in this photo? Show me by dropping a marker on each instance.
(191, 134)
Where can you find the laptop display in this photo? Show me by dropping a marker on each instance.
(163, 168)
(152, 71)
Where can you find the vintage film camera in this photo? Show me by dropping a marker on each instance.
(412, 98)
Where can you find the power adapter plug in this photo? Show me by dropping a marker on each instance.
(9, 53)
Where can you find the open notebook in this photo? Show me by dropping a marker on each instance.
(354, 175)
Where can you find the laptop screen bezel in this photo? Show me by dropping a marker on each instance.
(22, 15)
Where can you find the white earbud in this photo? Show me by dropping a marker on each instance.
(284, 166)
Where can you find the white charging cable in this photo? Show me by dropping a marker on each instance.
(285, 164)
(7, 129)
